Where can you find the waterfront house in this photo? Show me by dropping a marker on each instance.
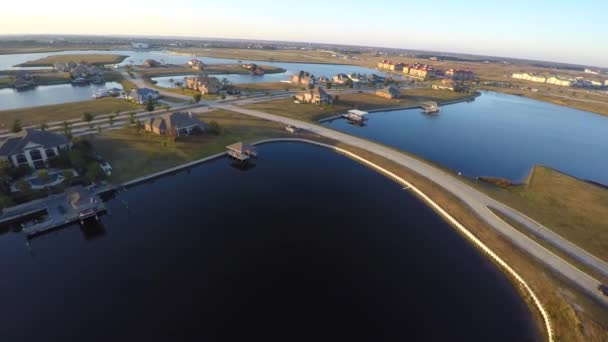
(142, 95)
(65, 67)
(204, 84)
(459, 75)
(341, 79)
(150, 63)
(390, 92)
(317, 95)
(196, 64)
(175, 124)
(303, 78)
(530, 77)
(446, 84)
(33, 148)
(556, 80)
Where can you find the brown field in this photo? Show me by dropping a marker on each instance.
(100, 59)
(267, 55)
(212, 69)
(268, 86)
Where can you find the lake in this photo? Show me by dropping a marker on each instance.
(306, 244)
(44, 95)
(496, 135)
(49, 95)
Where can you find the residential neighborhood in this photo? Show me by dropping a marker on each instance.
(204, 84)
(317, 96)
(175, 124)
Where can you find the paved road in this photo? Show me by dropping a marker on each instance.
(141, 83)
(479, 202)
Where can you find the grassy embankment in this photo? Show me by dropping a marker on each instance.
(97, 59)
(134, 154)
(364, 101)
(268, 86)
(65, 111)
(572, 208)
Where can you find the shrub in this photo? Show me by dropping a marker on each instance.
(214, 127)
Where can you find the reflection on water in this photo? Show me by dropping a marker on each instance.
(306, 244)
(496, 135)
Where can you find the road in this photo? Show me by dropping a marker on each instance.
(479, 203)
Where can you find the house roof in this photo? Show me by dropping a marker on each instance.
(45, 139)
(144, 92)
(177, 120)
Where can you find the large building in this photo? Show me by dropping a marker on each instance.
(175, 124)
(143, 95)
(530, 77)
(317, 95)
(33, 148)
(422, 71)
(460, 75)
(389, 92)
(204, 84)
(564, 82)
(303, 78)
(390, 66)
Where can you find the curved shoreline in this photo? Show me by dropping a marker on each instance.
(506, 268)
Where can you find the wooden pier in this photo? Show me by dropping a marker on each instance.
(241, 152)
(355, 115)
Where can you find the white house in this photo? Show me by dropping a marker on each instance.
(140, 45)
(33, 147)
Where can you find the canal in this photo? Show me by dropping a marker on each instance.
(497, 135)
(306, 244)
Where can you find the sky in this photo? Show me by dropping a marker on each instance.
(558, 30)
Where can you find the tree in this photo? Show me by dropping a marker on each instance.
(131, 118)
(23, 186)
(43, 126)
(336, 98)
(328, 85)
(93, 172)
(223, 96)
(111, 119)
(214, 127)
(87, 117)
(16, 128)
(77, 159)
(197, 97)
(138, 125)
(150, 105)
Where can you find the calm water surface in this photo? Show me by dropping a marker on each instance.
(497, 135)
(49, 95)
(307, 246)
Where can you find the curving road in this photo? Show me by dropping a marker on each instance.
(479, 203)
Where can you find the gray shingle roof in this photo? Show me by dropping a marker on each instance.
(43, 138)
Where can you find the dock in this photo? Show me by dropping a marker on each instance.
(241, 152)
(429, 107)
(76, 204)
(355, 115)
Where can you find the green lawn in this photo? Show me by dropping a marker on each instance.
(100, 59)
(572, 208)
(363, 101)
(65, 111)
(133, 154)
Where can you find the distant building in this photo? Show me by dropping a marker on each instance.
(196, 64)
(317, 95)
(593, 72)
(303, 78)
(140, 45)
(564, 82)
(150, 63)
(422, 71)
(33, 148)
(142, 95)
(65, 67)
(175, 124)
(204, 84)
(390, 92)
(341, 78)
(459, 75)
(530, 77)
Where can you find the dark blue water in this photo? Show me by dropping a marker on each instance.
(497, 135)
(49, 95)
(307, 246)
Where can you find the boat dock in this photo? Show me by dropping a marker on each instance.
(43, 215)
(241, 152)
(355, 115)
(429, 107)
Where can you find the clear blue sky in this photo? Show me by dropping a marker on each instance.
(567, 31)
